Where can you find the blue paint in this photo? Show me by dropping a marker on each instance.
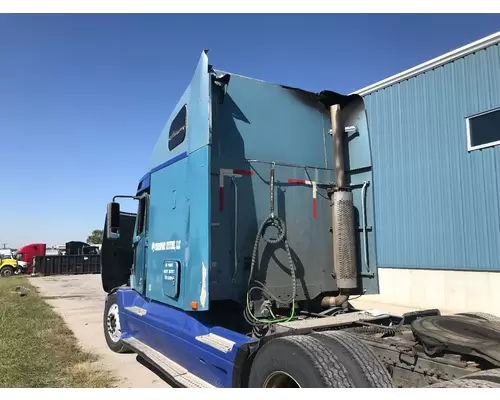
(187, 222)
(267, 122)
(173, 332)
(180, 202)
(249, 120)
(194, 251)
(170, 162)
(437, 206)
(144, 183)
(197, 97)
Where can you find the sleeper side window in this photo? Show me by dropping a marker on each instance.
(178, 128)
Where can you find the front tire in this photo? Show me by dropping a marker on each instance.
(111, 325)
(7, 271)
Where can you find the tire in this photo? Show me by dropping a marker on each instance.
(6, 271)
(364, 367)
(466, 383)
(481, 315)
(111, 325)
(298, 362)
(491, 375)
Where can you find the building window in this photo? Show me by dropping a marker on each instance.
(483, 130)
(178, 128)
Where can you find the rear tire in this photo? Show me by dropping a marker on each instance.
(466, 383)
(364, 367)
(6, 271)
(111, 325)
(481, 315)
(490, 375)
(297, 362)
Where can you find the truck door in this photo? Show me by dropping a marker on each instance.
(140, 244)
(117, 255)
(178, 270)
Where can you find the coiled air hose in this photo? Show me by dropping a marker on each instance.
(276, 222)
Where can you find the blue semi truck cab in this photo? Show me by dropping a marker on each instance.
(254, 229)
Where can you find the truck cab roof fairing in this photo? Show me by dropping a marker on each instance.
(198, 89)
(196, 98)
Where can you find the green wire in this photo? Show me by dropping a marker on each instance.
(266, 321)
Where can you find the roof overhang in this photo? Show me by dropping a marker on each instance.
(434, 63)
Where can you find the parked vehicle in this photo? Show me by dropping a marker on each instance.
(252, 235)
(76, 248)
(10, 266)
(26, 253)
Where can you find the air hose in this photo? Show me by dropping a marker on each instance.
(271, 221)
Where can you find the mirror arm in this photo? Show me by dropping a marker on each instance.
(120, 196)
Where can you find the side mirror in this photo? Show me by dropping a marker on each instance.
(113, 221)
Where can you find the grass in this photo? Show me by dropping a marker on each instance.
(37, 349)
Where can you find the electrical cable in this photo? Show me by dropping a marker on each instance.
(279, 224)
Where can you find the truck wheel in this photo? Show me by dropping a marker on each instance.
(111, 324)
(7, 271)
(490, 375)
(364, 367)
(481, 315)
(297, 362)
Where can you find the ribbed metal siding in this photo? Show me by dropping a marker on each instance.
(436, 204)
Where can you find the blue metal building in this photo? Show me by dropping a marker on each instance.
(435, 144)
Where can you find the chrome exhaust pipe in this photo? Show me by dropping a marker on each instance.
(344, 244)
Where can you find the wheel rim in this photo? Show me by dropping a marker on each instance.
(280, 379)
(113, 323)
(6, 272)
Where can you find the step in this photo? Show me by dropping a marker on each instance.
(175, 371)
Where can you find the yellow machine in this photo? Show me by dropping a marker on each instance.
(9, 267)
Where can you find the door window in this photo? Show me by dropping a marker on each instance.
(142, 215)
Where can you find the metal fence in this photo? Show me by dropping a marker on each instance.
(67, 265)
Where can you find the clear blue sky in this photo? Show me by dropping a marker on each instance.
(77, 89)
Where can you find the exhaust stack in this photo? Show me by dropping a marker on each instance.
(344, 245)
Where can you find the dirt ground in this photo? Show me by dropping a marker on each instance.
(80, 301)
